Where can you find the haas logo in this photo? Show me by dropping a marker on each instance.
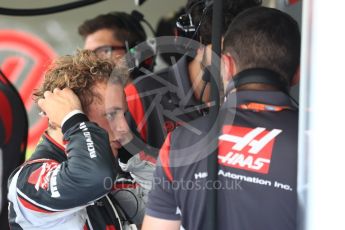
(247, 148)
(23, 58)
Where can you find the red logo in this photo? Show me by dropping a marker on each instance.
(247, 148)
(41, 176)
(24, 59)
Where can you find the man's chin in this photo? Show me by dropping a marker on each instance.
(115, 151)
(115, 146)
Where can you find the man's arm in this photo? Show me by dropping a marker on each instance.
(162, 211)
(87, 174)
(153, 223)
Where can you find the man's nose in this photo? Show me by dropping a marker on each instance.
(122, 125)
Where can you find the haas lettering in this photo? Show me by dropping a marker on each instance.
(247, 148)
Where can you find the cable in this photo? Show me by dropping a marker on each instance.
(293, 99)
(204, 12)
(140, 18)
(114, 210)
(202, 91)
(149, 25)
(47, 10)
(206, 76)
(195, 4)
(212, 161)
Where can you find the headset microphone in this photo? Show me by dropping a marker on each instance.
(185, 23)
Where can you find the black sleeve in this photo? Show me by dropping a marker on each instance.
(161, 203)
(86, 176)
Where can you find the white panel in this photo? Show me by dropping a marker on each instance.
(322, 114)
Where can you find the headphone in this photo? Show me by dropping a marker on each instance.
(188, 29)
(185, 22)
(140, 54)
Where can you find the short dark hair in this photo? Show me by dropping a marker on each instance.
(230, 9)
(263, 37)
(125, 27)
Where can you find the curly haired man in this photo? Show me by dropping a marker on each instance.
(66, 182)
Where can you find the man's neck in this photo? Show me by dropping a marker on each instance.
(56, 134)
(258, 87)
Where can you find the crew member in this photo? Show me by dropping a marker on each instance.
(66, 182)
(161, 101)
(256, 142)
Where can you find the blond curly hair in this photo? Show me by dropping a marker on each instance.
(80, 72)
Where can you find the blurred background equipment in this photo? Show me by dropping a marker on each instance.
(47, 10)
(13, 139)
(166, 26)
(27, 44)
(139, 2)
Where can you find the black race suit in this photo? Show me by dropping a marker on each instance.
(66, 187)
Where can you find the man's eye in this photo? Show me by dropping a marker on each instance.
(110, 116)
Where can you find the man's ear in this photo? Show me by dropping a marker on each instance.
(229, 67)
(296, 77)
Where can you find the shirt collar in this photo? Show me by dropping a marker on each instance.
(53, 142)
(276, 98)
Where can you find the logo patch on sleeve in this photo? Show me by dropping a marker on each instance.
(247, 148)
(41, 176)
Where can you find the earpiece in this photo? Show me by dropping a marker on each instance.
(185, 22)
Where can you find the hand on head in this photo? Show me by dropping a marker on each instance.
(58, 104)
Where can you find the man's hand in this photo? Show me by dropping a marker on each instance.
(58, 104)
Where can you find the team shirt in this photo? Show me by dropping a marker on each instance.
(158, 103)
(257, 166)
